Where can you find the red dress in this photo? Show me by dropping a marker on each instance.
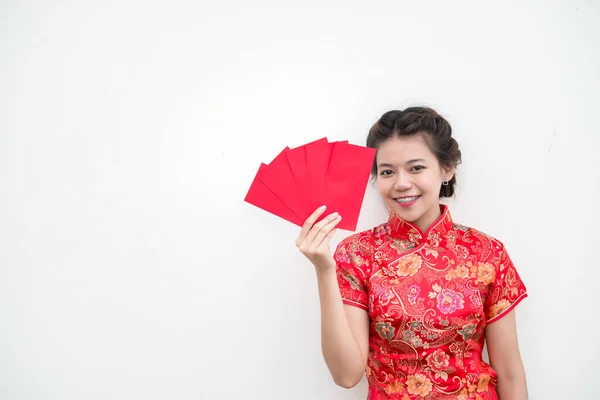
(429, 297)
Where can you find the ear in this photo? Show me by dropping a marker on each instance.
(448, 173)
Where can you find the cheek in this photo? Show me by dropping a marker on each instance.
(429, 182)
(383, 186)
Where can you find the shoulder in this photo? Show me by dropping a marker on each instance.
(361, 245)
(472, 233)
(477, 239)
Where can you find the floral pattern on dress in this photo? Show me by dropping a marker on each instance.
(429, 297)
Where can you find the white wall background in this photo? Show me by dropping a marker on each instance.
(131, 268)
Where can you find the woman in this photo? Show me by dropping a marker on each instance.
(412, 300)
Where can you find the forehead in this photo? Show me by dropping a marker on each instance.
(399, 150)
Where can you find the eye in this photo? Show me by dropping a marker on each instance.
(385, 172)
(417, 168)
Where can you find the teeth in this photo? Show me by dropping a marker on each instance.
(407, 199)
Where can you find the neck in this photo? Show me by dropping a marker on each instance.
(428, 219)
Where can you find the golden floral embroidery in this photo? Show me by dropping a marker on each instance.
(409, 265)
(461, 251)
(434, 239)
(484, 381)
(451, 237)
(438, 360)
(499, 308)
(418, 385)
(432, 252)
(389, 271)
(459, 272)
(395, 387)
(511, 283)
(485, 273)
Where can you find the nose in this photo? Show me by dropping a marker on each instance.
(403, 181)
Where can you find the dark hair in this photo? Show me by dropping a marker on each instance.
(436, 131)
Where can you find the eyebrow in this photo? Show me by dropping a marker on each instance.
(414, 161)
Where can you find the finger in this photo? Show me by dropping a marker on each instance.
(325, 231)
(320, 235)
(325, 243)
(318, 226)
(308, 242)
(310, 221)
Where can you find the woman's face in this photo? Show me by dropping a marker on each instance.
(409, 178)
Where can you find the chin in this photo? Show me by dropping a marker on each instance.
(410, 216)
(407, 214)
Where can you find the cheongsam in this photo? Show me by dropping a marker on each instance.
(429, 296)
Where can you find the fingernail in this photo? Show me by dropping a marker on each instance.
(335, 214)
(322, 207)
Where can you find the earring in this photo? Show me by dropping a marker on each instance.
(445, 182)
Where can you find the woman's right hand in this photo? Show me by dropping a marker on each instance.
(313, 240)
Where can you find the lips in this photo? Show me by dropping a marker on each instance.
(406, 199)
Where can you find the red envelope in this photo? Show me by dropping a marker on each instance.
(305, 176)
(296, 159)
(300, 180)
(347, 179)
(262, 197)
(277, 176)
(317, 161)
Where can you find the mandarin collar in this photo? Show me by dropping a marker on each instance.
(404, 230)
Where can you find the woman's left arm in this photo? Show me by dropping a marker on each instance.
(505, 358)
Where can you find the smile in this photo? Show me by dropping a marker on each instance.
(406, 199)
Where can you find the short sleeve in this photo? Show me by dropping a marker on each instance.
(507, 289)
(350, 273)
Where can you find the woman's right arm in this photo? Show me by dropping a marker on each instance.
(344, 328)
